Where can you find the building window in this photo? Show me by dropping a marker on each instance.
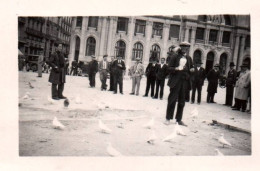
(213, 35)
(137, 51)
(155, 53)
(122, 24)
(227, 20)
(93, 22)
(79, 22)
(202, 18)
(140, 26)
(247, 44)
(226, 37)
(91, 46)
(200, 33)
(174, 31)
(157, 29)
(120, 49)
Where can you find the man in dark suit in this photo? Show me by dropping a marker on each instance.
(213, 77)
(74, 68)
(179, 69)
(111, 70)
(57, 75)
(198, 77)
(161, 73)
(150, 73)
(230, 84)
(119, 67)
(93, 69)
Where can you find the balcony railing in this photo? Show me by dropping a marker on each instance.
(34, 32)
(200, 41)
(213, 43)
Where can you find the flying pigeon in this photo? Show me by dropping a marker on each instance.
(152, 138)
(57, 125)
(78, 100)
(178, 129)
(170, 137)
(150, 124)
(50, 100)
(218, 153)
(112, 151)
(194, 113)
(103, 127)
(223, 141)
(66, 103)
(30, 85)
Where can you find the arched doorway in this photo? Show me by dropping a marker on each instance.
(120, 49)
(77, 47)
(247, 60)
(170, 53)
(210, 61)
(197, 56)
(155, 53)
(90, 46)
(137, 51)
(223, 63)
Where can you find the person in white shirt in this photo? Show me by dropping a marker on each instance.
(136, 72)
(103, 71)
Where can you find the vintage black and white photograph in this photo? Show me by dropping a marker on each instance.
(147, 85)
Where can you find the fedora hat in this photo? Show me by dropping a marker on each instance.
(105, 56)
(244, 64)
(187, 44)
(137, 59)
(232, 64)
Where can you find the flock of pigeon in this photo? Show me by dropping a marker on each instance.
(56, 124)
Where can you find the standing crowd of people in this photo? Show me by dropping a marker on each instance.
(183, 74)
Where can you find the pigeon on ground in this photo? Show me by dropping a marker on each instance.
(66, 103)
(152, 138)
(30, 85)
(103, 127)
(170, 137)
(223, 141)
(194, 113)
(178, 129)
(218, 153)
(150, 124)
(57, 125)
(78, 99)
(120, 125)
(50, 100)
(112, 151)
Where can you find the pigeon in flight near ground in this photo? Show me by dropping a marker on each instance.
(103, 127)
(152, 138)
(150, 124)
(223, 141)
(112, 151)
(50, 100)
(57, 125)
(218, 153)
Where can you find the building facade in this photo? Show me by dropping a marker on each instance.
(40, 33)
(214, 38)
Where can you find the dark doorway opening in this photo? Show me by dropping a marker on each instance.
(77, 48)
(210, 61)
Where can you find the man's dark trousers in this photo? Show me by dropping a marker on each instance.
(229, 95)
(198, 87)
(159, 84)
(118, 79)
(177, 93)
(111, 82)
(150, 82)
(92, 81)
(57, 92)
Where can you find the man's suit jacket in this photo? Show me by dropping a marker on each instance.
(198, 76)
(118, 70)
(175, 75)
(232, 77)
(57, 62)
(101, 65)
(161, 72)
(93, 67)
(150, 71)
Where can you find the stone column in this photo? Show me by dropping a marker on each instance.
(130, 34)
(192, 41)
(241, 51)
(206, 36)
(110, 36)
(166, 28)
(82, 39)
(186, 36)
(220, 37)
(235, 54)
(148, 35)
(72, 41)
(102, 37)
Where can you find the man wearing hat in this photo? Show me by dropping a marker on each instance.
(230, 84)
(136, 72)
(213, 77)
(103, 71)
(57, 75)
(119, 67)
(150, 73)
(93, 69)
(198, 77)
(161, 74)
(242, 87)
(111, 70)
(179, 68)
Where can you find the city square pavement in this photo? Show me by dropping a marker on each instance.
(125, 115)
